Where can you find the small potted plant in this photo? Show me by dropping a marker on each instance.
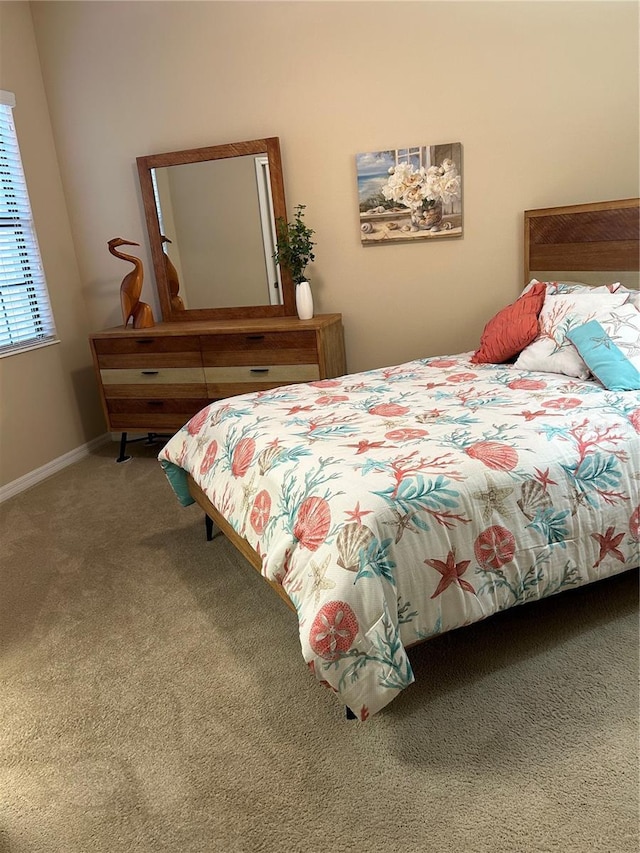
(294, 252)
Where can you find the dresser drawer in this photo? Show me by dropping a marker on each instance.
(153, 414)
(150, 360)
(282, 374)
(150, 353)
(228, 381)
(156, 391)
(145, 344)
(189, 405)
(264, 348)
(174, 377)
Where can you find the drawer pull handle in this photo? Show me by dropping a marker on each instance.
(145, 341)
(255, 337)
(259, 370)
(155, 402)
(149, 372)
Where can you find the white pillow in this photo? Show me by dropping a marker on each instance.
(633, 297)
(552, 351)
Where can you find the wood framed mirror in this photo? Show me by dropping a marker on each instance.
(211, 216)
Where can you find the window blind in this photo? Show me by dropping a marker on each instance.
(25, 313)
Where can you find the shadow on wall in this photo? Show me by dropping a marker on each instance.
(89, 407)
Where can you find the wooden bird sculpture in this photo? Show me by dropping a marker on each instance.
(131, 288)
(172, 280)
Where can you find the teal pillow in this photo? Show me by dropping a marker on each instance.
(610, 347)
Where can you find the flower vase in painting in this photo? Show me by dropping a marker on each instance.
(410, 193)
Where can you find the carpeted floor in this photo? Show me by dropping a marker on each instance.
(153, 698)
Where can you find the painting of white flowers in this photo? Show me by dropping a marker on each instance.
(408, 194)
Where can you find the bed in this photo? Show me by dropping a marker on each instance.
(390, 506)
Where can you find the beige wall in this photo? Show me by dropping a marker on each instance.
(543, 97)
(48, 400)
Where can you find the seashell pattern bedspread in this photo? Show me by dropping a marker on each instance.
(397, 504)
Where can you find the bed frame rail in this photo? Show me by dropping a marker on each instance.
(241, 544)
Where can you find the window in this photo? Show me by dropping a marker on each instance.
(25, 314)
(412, 156)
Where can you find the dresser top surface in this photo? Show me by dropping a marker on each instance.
(208, 327)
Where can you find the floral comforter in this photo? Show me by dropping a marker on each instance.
(397, 504)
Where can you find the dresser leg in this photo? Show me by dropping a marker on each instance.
(151, 438)
(123, 443)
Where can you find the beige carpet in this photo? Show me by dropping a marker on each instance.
(153, 698)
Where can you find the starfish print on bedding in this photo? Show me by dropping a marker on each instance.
(530, 416)
(295, 409)
(402, 522)
(248, 490)
(601, 339)
(320, 582)
(544, 479)
(356, 513)
(577, 499)
(608, 545)
(451, 573)
(493, 499)
(202, 441)
(365, 445)
(619, 322)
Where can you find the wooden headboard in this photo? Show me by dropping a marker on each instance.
(599, 237)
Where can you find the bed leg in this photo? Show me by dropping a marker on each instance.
(349, 713)
(209, 527)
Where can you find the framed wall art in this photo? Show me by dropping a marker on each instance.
(409, 194)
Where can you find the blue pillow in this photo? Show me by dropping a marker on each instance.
(610, 347)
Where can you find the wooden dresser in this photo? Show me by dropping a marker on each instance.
(154, 380)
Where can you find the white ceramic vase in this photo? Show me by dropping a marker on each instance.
(304, 300)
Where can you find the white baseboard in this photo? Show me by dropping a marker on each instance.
(27, 480)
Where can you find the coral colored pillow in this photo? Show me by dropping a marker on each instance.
(512, 329)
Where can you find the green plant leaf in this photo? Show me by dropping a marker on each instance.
(294, 245)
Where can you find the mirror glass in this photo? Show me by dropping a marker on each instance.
(211, 215)
(218, 221)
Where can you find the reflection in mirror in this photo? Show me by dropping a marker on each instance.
(218, 223)
(173, 279)
(211, 215)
